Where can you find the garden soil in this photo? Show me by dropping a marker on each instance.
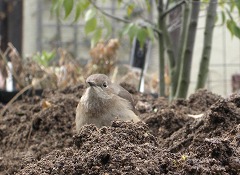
(200, 135)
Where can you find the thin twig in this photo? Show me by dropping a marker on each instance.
(20, 93)
(109, 15)
(172, 8)
(28, 137)
(122, 19)
(6, 52)
(15, 98)
(13, 49)
(13, 72)
(3, 55)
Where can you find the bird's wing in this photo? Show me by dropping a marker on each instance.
(123, 93)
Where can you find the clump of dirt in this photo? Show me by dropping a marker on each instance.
(165, 118)
(217, 121)
(30, 129)
(37, 136)
(201, 100)
(122, 148)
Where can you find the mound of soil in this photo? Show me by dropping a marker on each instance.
(37, 136)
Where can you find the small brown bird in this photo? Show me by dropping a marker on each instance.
(103, 102)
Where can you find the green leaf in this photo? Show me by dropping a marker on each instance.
(56, 7)
(142, 35)
(119, 1)
(233, 28)
(130, 8)
(133, 31)
(232, 5)
(90, 25)
(223, 17)
(68, 6)
(44, 58)
(237, 31)
(85, 4)
(96, 36)
(126, 29)
(238, 6)
(81, 6)
(150, 33)
(221, 3)
(91, 13)
(78, 12)
(108, 26)
(230, 26)
(148, 5)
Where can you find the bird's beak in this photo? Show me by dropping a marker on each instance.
(91, 83)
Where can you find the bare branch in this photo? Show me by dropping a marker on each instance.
(174, 7)
(121, 19)
(3, 56)
(109, 15)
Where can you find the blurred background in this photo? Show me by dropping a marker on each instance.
(33, 28)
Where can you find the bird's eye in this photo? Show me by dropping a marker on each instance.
(104, 84)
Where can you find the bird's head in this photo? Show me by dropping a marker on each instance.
(100, 85)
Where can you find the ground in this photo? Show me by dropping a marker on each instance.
(37, 136)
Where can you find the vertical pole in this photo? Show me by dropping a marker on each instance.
(59, 37)
(39, 26)
(75, 39)
(3, 25)
(15, 15)
(224, 62)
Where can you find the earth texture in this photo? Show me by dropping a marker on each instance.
(199, 135)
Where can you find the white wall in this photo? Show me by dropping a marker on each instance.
(225, 59)
(29, 27)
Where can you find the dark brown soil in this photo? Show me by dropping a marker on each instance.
(37, 136)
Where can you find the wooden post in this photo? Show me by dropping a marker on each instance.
(3, 25)
(14, 17)
(11, 24)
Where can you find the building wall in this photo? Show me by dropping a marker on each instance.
(224, 62)
(29, 27)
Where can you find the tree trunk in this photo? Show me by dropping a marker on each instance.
(171, 54)
(182, 45)
(208, 34)
(161, 49)
(187, 57)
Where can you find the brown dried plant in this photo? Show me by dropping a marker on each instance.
(70, 70)
(26, 72)
(103, 57)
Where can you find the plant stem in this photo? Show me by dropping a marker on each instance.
(208, 34)
(182, 45)
(170, 52)
(187, 57)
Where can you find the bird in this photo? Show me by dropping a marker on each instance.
(103, 102)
